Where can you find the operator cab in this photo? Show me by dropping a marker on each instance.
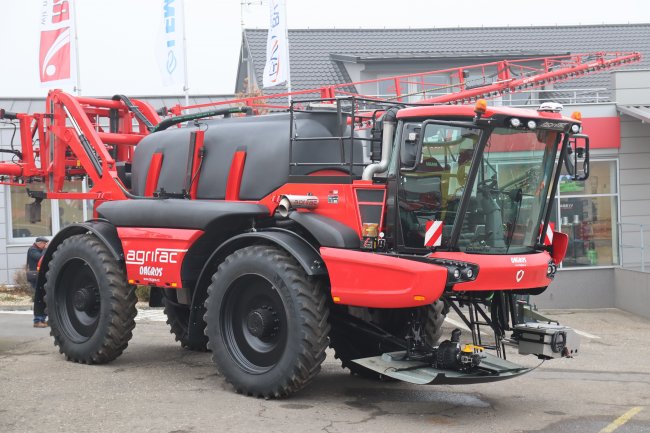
(487, 176)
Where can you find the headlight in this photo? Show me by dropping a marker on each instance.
(531, 124)
(457, 271)
(516, 123)
(551, 269)
(575, 129)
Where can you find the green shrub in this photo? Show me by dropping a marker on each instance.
(142, 292)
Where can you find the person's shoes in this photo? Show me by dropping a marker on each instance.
(40, 325)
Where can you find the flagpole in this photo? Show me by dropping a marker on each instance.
(186, 87)
(76, 49)
(286, 38)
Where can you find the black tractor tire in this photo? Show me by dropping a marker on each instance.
(349, 346)
(90, 305)
(178, 318)
(267, 322)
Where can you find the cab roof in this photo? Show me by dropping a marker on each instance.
(468, 111)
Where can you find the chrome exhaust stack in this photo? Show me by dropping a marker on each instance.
(291, 202)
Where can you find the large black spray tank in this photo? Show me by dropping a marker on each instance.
(265, 139)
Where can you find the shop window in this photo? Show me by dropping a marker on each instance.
(26, 220)
(588, 213)
(71, 211)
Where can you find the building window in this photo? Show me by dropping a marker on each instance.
(71, 211)
(27, 222)
(414, 88)
(588, 212)
(26, 219)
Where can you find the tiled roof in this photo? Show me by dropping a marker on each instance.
(315, 54)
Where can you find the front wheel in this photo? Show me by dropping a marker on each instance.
(91, 307)
(266, 322)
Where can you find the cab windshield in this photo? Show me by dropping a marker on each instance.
(506, 201)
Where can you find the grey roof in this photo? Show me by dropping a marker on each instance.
(316, 54)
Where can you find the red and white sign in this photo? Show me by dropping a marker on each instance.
(548, 236)
(56, 42)
(433, 234)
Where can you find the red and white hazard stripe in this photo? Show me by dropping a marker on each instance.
(433, 234)
(548, 236)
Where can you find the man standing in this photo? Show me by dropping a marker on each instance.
(34, 254)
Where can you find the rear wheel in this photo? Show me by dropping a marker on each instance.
(91, 307)
(266, 322)
(178, 319)
(348, 346)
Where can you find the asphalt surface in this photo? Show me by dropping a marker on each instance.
(156, 386)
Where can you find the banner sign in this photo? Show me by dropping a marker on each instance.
(56, 43)
(170, 47)
(276, 70)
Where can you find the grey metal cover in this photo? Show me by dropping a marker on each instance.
(491, 369)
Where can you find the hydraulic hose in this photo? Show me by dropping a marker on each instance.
(188, 117)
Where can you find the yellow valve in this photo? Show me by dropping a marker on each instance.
(471, 348)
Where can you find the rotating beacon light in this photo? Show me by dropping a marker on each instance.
(480, 108)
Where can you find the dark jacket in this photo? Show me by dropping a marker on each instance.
(34, 254)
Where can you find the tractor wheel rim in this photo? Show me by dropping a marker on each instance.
(78, 301)
(254, 323)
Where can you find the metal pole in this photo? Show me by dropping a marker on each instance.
(186, 87)
(642, 249)
(620, 244)
(286, 38)
(77, 87)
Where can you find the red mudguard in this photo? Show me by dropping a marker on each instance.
(373, 280)
(154, 256)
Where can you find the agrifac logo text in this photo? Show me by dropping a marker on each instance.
(518, 260)
(159, 255)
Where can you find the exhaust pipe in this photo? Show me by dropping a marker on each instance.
(291, 202)
(390, 118)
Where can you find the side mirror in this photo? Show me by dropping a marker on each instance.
(411, 151)
(579, 160)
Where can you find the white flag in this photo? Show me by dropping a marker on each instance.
(276, 70)
(170, 47)
(57, 45)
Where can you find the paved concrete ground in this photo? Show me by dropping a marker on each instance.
(158, 387)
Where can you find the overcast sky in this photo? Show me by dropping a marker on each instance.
(117, 37)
